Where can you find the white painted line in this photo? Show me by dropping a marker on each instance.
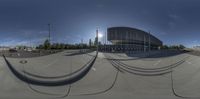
(157, 63)
(1, 61)
(93, 69)
(189, 62)
(18, 54)
(50, 64)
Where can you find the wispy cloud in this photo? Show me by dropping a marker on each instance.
(15, 42)
(174, 16)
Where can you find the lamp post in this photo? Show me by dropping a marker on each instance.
(144, 43)
(105, 42)
(49, 25)
(97, 45)
(149, 42)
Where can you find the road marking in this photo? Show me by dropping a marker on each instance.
(188, 62)
(50, 64)
(93, 69)
(157, 63)
(1, 62)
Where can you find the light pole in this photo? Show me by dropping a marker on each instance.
(81, 49)
(49, 25)
(97, 45)
(149, 42)
(105, 43)
(144, 43)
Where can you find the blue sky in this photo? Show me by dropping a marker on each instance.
(24, 22)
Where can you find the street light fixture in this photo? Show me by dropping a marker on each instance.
(49, 25)
(97, 36)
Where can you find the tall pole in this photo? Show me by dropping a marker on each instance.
(97, 33)
(149, 42)
(81, 45)
(144, 43)
(49, 33)
(105, 38)
(121, 43)
(126, 47)
(105, 42)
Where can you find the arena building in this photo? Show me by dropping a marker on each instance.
(130, 39)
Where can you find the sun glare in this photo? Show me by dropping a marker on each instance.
(100, 35)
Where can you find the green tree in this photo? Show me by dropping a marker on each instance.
(47, 44)
(165, 47)
(62, 46)
(41, 47)
(181, 46)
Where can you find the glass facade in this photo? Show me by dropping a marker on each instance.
(125, 38)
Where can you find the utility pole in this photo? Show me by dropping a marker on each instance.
(149, 42)
(121, 44)
(97, 45)
(81, 41)
(144, 43)
(49, 25)
(105, 42)
(81, 45)
(126, 45)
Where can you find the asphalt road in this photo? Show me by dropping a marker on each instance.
(112, 76)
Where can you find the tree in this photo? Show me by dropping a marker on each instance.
(40, 47)
(164, 47)
(62, 46)
(181, 46)
(47, 44)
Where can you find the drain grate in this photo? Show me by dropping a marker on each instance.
(23, 61)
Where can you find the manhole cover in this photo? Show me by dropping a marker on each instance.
(23, 61)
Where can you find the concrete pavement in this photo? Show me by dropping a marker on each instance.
(104, 80)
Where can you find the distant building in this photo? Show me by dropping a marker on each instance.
(4, 48)
(30, 48)
(196, 47)
(24, 48)
(130, 39)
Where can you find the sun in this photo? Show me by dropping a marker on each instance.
(100, 35)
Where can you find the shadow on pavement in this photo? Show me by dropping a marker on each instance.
(35, 81)
(157, 54)
(79, 53)
(194, 52)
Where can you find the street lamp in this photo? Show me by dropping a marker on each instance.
(49, 25)
(97, 41)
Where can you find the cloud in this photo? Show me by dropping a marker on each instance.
(43, 32)
(15, 42)
(174, 16)
(162, 33)
(100, 5)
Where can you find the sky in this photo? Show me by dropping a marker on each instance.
(24, 22)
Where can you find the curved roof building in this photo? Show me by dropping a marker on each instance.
(131, 36)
